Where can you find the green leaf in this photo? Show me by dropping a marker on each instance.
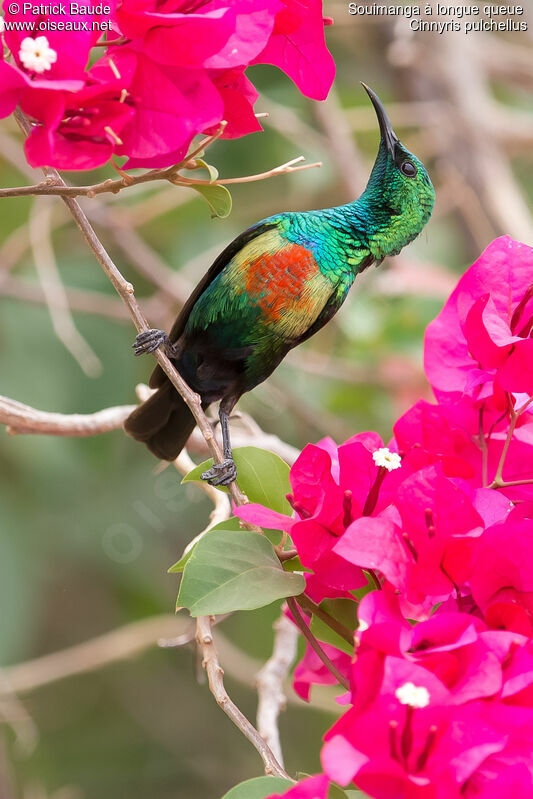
(366, 589)
(345, 611)
(294, 565)
(218, 198)
(234, 570)
(212, 170)
(258, 788)
(262, 475)
(230, 524)
(336, 793)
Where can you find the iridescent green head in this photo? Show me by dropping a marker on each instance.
(399, 191)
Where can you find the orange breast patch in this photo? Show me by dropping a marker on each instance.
(279, 280)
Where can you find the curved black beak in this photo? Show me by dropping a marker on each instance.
(387, 133)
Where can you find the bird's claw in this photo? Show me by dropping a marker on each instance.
(148, 341)
(221, 474)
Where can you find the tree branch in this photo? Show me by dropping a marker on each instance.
(52, 187)
(54, 290)
(120, 644)
(214, 672)
(270, 681)
(20, 418)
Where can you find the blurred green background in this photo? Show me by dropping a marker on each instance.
(88, 528)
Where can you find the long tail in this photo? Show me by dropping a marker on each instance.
(163, 423)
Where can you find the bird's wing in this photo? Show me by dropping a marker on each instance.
(158, 377)
(282, 280)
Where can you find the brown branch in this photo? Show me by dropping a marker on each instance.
(124, 643)
(204, 635)
(120, 644)
(323, 615)
(20, 418)
(214, 673)
(314, 644)
(53, 187)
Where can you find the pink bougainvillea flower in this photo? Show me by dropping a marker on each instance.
(490, 782)
(297, 47)
(238, 95)
(12, 86)
(328, 494)
(218, 34)
(311, 670)
(450, 645)
(172, 36)
(311, 788)
(171, 105)
(189, 68)
(429, 433)
(480, 340)
(503, 572)
(254, 23)
(90, 118)
(423, 544)
(82, 129)
(16, 86)
(424, 435)
(513, 765)
(410, 741)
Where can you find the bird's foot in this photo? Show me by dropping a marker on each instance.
(150, 340)
(221, 474)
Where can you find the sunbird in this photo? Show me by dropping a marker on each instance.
(273, 287)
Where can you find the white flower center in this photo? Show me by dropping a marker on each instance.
(413, 695)
(389, 460)
(36, 54)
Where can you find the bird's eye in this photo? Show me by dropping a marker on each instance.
(408, 169)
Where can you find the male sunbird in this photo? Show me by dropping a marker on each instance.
(273, 287)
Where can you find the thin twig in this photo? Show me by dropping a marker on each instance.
(214, 673)
(270, 681)
(513, 416)
(314, 644)
(83, 300)
(14, 713)
(55, 293)
(119, 644)
(330, 621)
(149, 263)
(54, 188)
(484, 451)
